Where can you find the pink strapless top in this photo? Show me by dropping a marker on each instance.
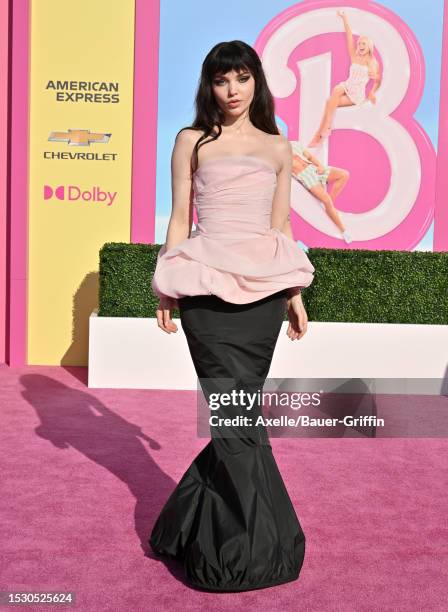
(234, 253)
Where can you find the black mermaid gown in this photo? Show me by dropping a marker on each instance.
(230, 520)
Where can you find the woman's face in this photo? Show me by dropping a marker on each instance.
(234, 91)
(362, 46)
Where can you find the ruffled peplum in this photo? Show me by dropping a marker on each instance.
(239, 272)
(234, 253)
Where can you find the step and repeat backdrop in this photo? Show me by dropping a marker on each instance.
(108, 84)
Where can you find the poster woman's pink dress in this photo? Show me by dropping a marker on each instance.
(355, 85)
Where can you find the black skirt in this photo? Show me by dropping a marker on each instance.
(230, 519)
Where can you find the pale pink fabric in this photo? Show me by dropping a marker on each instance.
(355, 85)
(234, 253)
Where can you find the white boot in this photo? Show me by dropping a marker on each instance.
(346, 236)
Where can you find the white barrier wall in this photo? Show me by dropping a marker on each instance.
(133, 353)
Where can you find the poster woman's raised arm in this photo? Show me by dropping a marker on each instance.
(348, 34)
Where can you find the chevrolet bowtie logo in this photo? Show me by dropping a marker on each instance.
(79, 138)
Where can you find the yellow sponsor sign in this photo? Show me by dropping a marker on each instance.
(80, 160)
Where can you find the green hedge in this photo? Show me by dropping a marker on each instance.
(350, 285)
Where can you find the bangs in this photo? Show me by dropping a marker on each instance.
(222, 68)
(228, 60)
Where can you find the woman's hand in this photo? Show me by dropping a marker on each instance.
(298, 319)
(372, 97)
(163, 314)
(320, 169)
(297, 164)
(341, 14)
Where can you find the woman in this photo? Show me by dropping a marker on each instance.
(352, 91)
(230, 519)
(314, 176)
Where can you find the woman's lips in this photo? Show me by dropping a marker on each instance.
(234, 103)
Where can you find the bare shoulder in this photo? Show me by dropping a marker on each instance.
(282, 150)
(187, 137)
(184, 144)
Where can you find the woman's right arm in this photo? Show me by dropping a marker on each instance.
(348, 34)
(179, 226)
(181, 219)
(312, 159)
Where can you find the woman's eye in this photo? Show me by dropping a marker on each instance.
(242, 80)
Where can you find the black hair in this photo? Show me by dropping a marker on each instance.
(222, 58)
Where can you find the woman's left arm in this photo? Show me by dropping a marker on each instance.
(376, 84)
(292, 291)
(281, 205)
(375, 75)
(281, 202)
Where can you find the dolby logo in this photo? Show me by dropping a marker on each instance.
(74, 193)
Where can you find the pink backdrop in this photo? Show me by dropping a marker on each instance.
(14, 219)
(4, 40)
(374, 193)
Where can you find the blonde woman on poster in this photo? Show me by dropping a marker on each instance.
(314, 176)
(352, 91)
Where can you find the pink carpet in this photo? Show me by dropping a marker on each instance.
(85, 472)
